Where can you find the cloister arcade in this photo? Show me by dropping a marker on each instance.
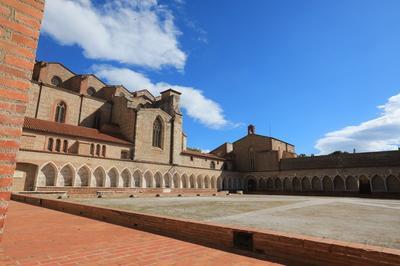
(338, 183)
(51, 175)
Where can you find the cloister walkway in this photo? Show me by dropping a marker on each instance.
(39, 236)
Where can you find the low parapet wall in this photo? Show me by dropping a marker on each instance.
(124, 192)
(285, 247)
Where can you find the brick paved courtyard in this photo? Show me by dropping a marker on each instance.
(39, 236)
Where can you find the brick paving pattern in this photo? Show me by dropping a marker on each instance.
(39, 236)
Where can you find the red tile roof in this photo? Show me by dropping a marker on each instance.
(70, 130)
(203, 155)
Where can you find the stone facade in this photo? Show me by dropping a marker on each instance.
(109, 137)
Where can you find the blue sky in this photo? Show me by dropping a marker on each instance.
(323, 75)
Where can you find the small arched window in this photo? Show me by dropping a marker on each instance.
(157, 133)
(98, 149)
(212, 165)
(91, 91)
(61, 109)
(58, 145)
(252, 159)
(50, 144)
(103, 151)
(65, 146)
(92, 149)
(56, 81)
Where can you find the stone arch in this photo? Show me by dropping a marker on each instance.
(305, 184)
(185, 181)
(338, 183)
(286, 184)
(213, 182)
(207, 182)
(393, 184)
(296, 184)
(99, 177)
(175, 181)
(251, 184)
(67, 176)
(200, 181)
(364, 185)
(316, 183)
(126, 178)
(158, 180)
(168, 181)
(148, 179)
(83, 177)
(112, 178)
(137, 178)
(378, 184)
(270, 183)
(47, 175)
(262, 184)
(220, 183)
(277, 183)
(192, 181)
(351, 184)
(327, 184)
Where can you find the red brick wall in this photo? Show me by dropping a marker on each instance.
(19, 32)
(297, 249)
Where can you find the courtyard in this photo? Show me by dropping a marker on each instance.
(359, 220)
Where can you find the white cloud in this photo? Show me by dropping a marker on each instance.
(197, 106)
(382, 133)
(136, 32)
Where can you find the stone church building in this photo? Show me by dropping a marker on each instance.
(81, 134)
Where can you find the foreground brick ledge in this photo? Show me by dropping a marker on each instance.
(282, 245)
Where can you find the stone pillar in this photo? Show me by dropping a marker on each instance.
(20, 22)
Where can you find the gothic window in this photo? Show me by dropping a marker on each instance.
(58, 145)
(103, 151)
(157, 133)
(50, 144)
(56, 81)
(91, 91)
(61, 109)
(251, 159)
(65, 146)
(212, 165)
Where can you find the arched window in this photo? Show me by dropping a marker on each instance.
(157, 133)
(92, 149)
(103, 151)
(65, 146)
(56, 81)
(251, 159)
(50, 144)
(61, 109)
(58, 145)
(212, 165)
(98, 149)
(91, 91)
